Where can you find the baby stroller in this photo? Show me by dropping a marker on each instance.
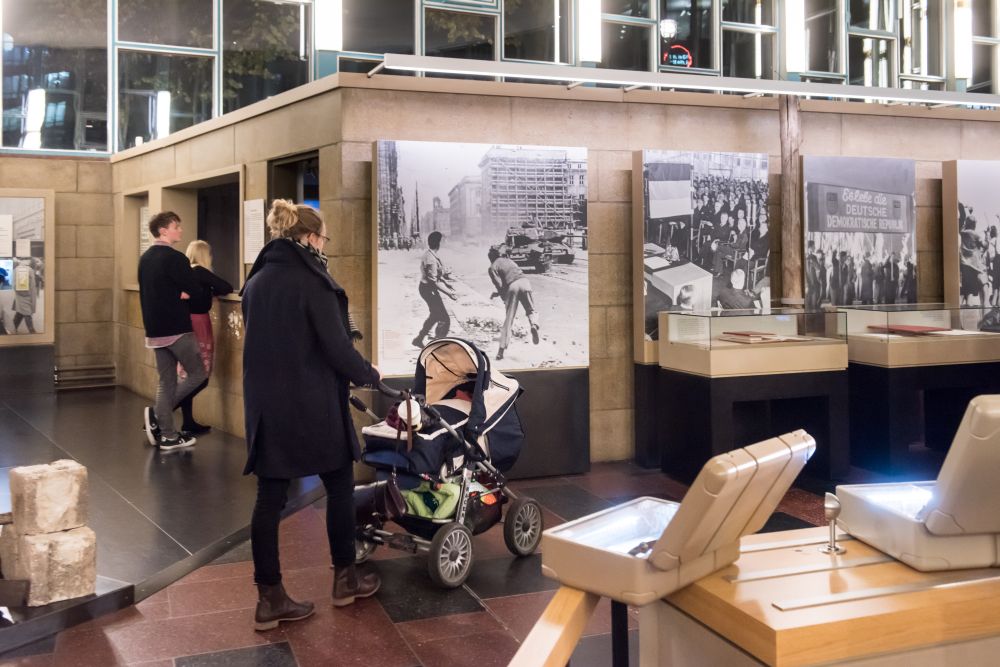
(465, 434)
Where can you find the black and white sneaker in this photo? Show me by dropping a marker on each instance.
(181, 440)
(150, 425)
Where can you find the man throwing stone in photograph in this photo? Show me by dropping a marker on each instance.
(515, 290)
(166, 281)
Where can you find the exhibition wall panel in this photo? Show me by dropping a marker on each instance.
(342, 116)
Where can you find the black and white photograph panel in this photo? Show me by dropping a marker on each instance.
(22, 265)
(860, 219)
(978, 224)
(485, 242)
(706, 241)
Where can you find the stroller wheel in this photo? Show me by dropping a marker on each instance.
(522, 527)
(363, 549)
(449, 559)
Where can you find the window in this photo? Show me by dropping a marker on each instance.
(822, 36)
(626, 7)
(177, 22)
(984, 48)
(625, 46)
(870, 61)
(983, 71)
(686, 29)
(265, 50)
(871, 14)
(749, 55)
(55, 69)
(754, 12)
(459, 35)
(982, 18)
(378, 26)
(161, 93)
(922, 38)
(535, 30)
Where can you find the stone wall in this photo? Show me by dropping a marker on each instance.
(84, 251)
(342, 122)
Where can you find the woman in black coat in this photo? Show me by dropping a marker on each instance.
(298, 362)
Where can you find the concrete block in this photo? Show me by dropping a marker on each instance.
(66, 241)
(94, 241)
(65, 307)
(28, 172)
(84, 209)
(85, 273)
(49, 497)
(612, 435)
(609, 227)
(59, 566)
(93, 305)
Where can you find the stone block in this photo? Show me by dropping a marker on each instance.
(609, 227)
(65, 241)
(84, 209)
(93, 306)
(615, 183)
(49, 497)
(59, 566)
(893, 136)
(28, 172)
(94, 177)
(84, 338)
(85, 273)
(157, 165)
(306, 125)
(65, 307)
(612, 435)
(94, 241)
(598, 332)
(610, 280)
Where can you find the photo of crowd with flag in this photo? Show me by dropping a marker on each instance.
(705, 232)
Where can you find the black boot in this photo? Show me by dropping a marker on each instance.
(347, 585)
(274, 606)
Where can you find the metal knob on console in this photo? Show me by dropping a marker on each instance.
(831, 510)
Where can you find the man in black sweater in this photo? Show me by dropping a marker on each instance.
(166, 281)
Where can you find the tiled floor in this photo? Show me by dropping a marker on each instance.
(206, 617)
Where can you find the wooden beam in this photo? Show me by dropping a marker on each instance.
(551, 642)
(792, 243)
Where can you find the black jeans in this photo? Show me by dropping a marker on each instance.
(272, 495)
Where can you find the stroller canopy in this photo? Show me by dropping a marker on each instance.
(447, 363)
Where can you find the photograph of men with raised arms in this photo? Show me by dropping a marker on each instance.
(860, 219)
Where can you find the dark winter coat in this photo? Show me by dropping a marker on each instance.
(297, 364)
(163, 274)
(211, 285)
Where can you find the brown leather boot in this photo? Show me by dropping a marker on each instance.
(274, 606)
(347, 585)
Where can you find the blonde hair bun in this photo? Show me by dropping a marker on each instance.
(283, 218)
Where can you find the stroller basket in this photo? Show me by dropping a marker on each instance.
(481, 515)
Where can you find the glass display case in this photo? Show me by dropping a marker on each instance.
(747, 342)
(922, 334)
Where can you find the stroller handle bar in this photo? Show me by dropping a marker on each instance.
(387, 390)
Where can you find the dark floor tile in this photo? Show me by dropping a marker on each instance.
(567, 500)
(497, 577)
(595, 651)
(269, 655)
(625, 479)
(779, 521)
(22, 444)
(360, 634)
(488, 649)
(408, 594)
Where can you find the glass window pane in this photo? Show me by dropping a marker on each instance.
(821, 35)
(161, 93)
(922, 38)
(757, 12)
(982, 18)
(624, 47)
(459, 35)
(358, 66)
(626, 7)
(55, 79)
(982, 69)
(529, 32)
(378, 26)
(869, 62)
(871, 14)
(178, 22)
(686, 33)
(265, 50)
(747, 55)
